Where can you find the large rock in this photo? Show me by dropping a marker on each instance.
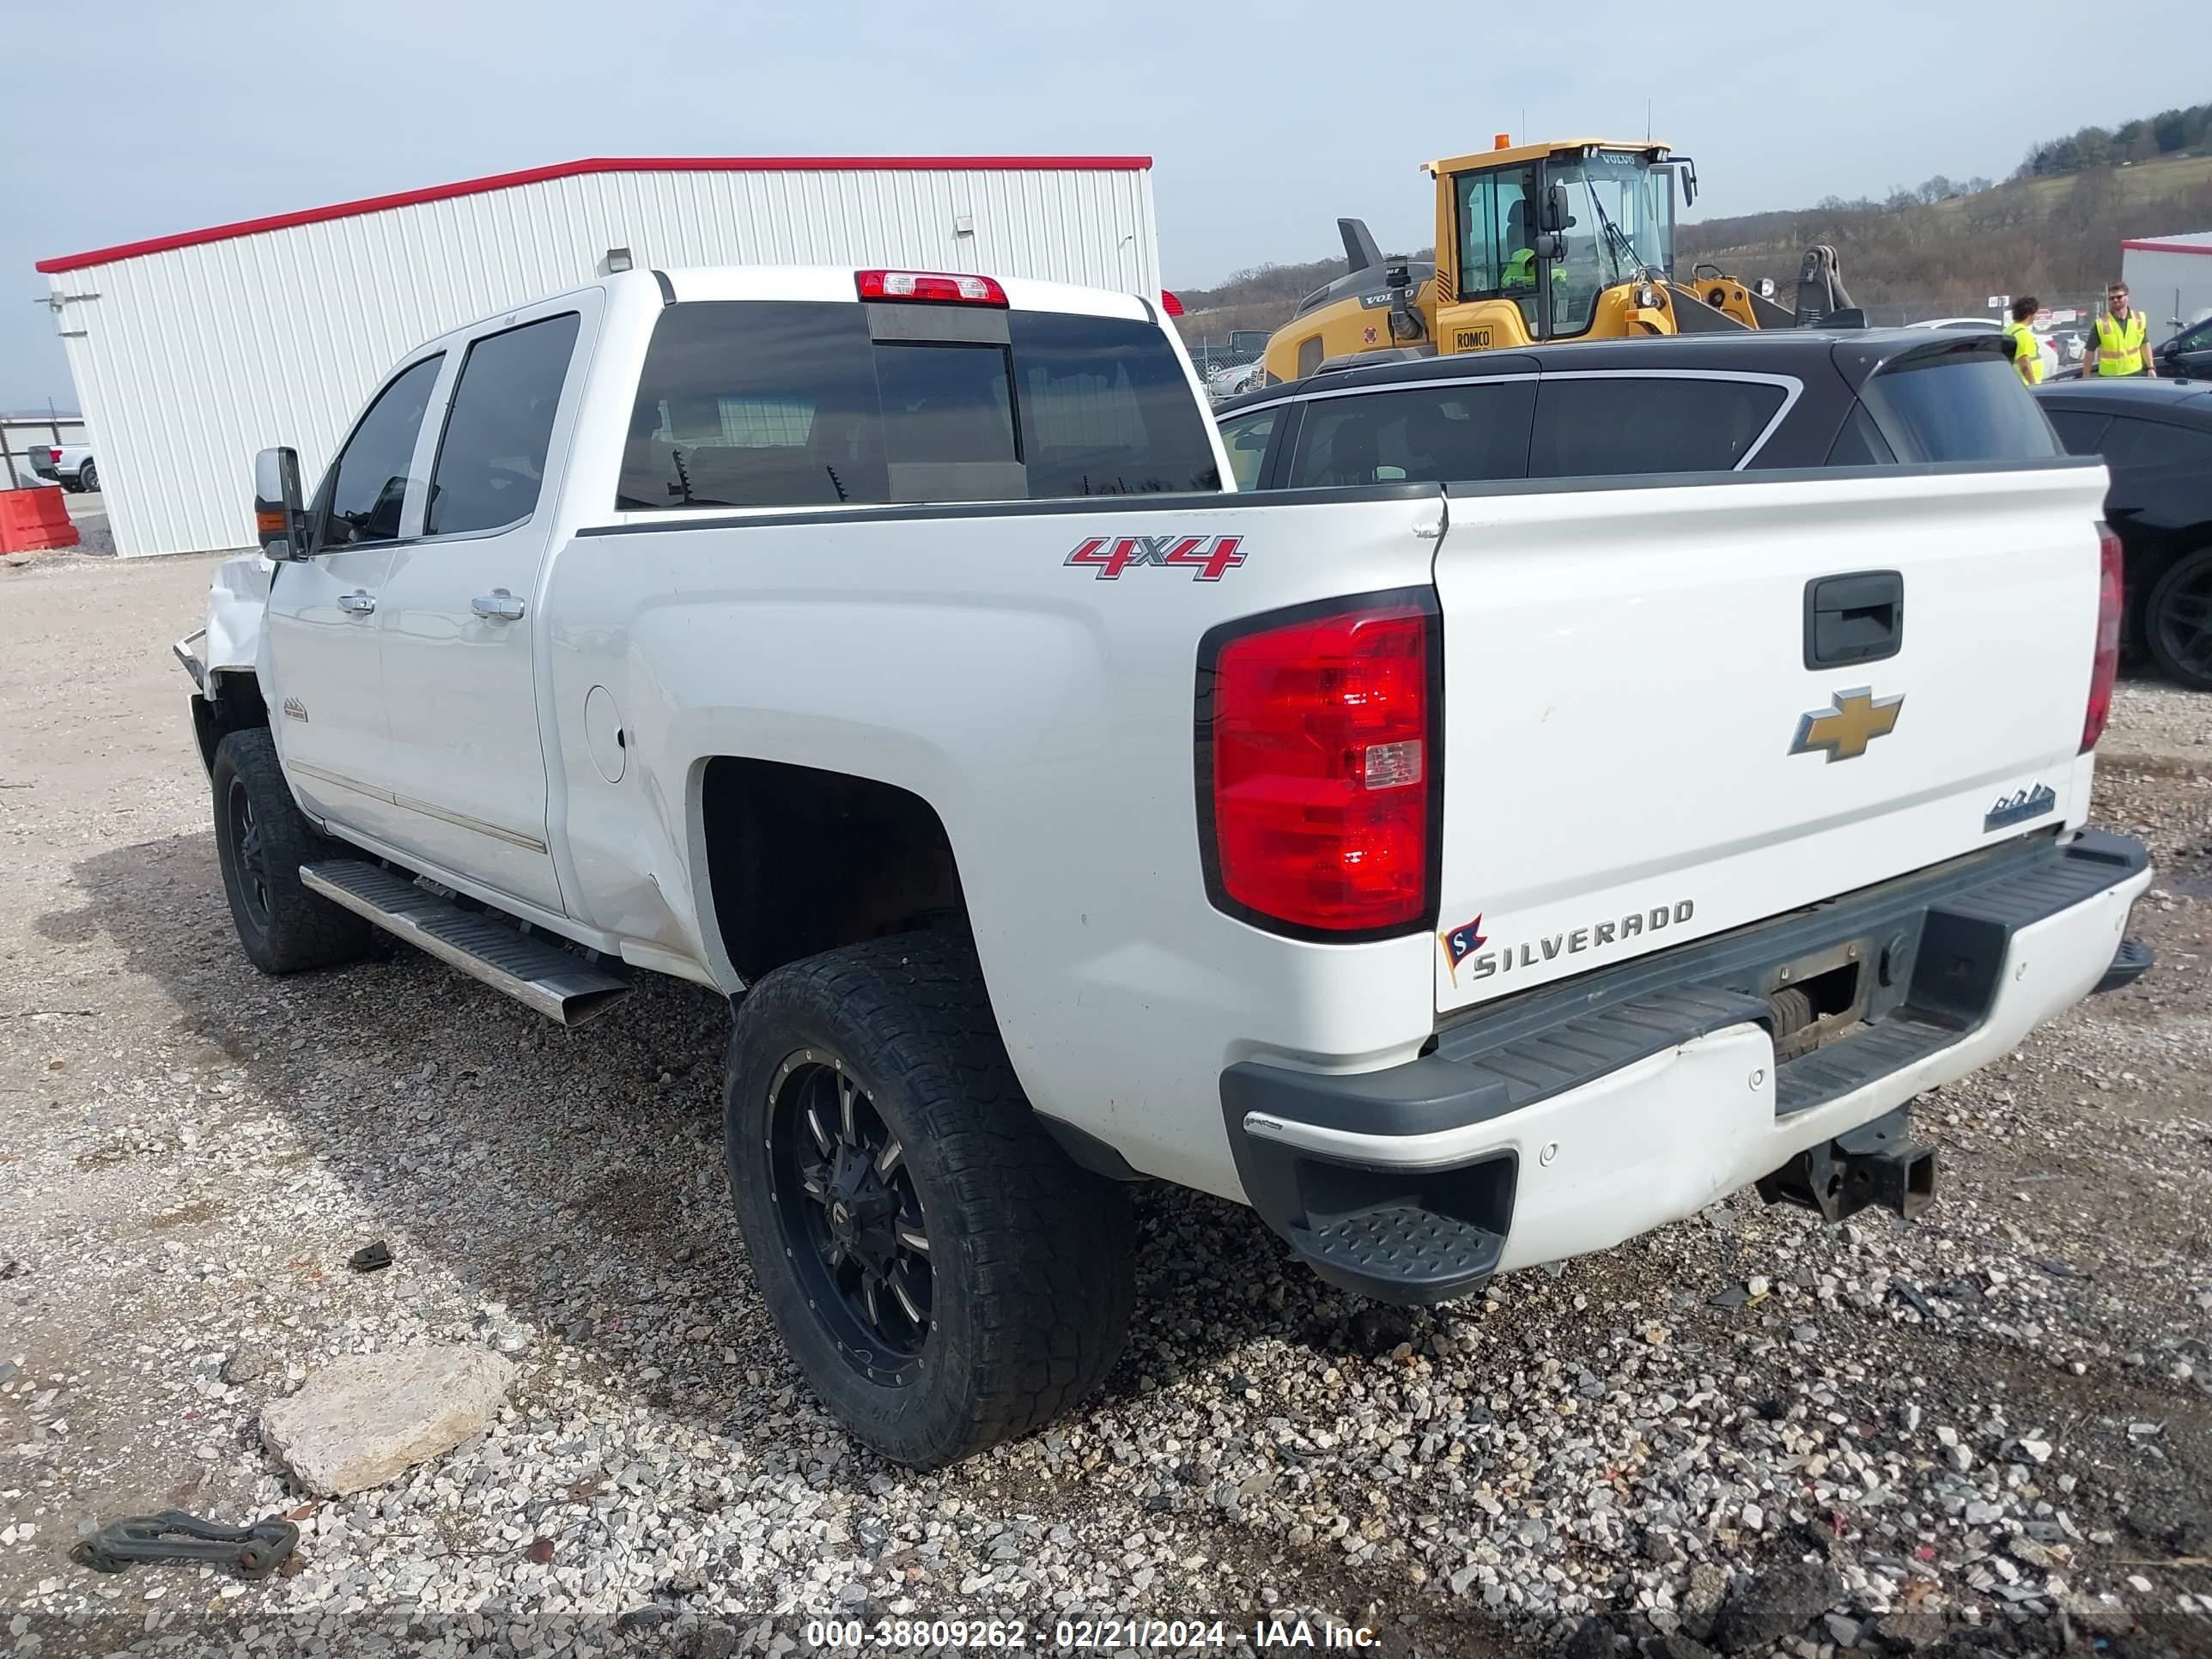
(1780, 1602)
(359, 1421)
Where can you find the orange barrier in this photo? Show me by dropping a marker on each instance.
(32, 521)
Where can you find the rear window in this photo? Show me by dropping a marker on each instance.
(1963, 404)
(2146, 444)
(1604, 425)
(1428, 434)
(2078, 430)
(793, 403)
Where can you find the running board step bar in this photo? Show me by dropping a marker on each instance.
(529, 968)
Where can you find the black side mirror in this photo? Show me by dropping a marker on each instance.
(1552, 216)
(279, 519)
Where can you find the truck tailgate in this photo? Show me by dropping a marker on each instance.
(1637, 753)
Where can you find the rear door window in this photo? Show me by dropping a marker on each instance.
(491, 460)
(793, 403)
(1964, 403)
(1607, 425)
(1419, 434)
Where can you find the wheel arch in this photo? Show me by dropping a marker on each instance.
(232, 701)
(794, 860)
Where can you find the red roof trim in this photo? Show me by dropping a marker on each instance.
(2169, 247)
(604, 164)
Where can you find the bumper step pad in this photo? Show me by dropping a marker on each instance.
(2129, 963)
(1419, 1255)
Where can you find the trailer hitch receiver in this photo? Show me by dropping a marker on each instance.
(1878, 1162)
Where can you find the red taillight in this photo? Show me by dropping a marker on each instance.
(1171, 304)
(1323, 770)
(943, 287)
(53, 456)
(2107, 663)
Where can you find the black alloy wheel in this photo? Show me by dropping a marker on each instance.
(845, 1204)
(2178, 620)
(252, 856)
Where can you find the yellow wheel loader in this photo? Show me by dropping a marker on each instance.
(1561, 241)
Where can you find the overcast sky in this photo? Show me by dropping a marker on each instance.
(126, 119)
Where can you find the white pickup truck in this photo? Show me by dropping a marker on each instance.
(1464, 876)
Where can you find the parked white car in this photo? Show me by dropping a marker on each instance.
(1465, 878)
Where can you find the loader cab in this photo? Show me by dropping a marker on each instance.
(1554, 242)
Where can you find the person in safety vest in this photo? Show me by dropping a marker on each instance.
(2027, 350)
(1520, 265)
(2122, 346)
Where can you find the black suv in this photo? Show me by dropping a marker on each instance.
(1684, 404)
(2156, 437)
(2189, 352)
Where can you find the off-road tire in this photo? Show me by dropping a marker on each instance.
(2184, 582)
(293, 930)
(1031, 1258)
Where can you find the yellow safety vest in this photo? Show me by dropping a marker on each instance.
(2119, 345)
(2028, 352)
(1521, 271)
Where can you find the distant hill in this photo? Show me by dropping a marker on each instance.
(2053, 236)
(1938, 248)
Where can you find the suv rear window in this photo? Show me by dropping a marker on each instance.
(1962, 403)
(791, 404)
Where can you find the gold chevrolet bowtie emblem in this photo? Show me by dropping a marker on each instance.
(1857, 719)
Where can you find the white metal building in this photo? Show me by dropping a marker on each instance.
(191, 352)
(2169, 280)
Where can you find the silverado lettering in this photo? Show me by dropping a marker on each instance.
(1488, 963)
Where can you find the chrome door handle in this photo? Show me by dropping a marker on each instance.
(498, 606)
(357, 604)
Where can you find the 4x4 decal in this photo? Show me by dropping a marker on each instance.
(1207, 558)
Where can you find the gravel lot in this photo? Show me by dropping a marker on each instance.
(1991, 1431)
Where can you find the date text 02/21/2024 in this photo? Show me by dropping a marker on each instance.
(1085, 1635)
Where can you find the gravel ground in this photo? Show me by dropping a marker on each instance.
(1991, 1431)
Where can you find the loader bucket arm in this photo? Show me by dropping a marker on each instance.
(1693, 316)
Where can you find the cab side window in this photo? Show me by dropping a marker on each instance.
(491, 460)
(1245, 437)
(1497, 221)
(369, 485)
